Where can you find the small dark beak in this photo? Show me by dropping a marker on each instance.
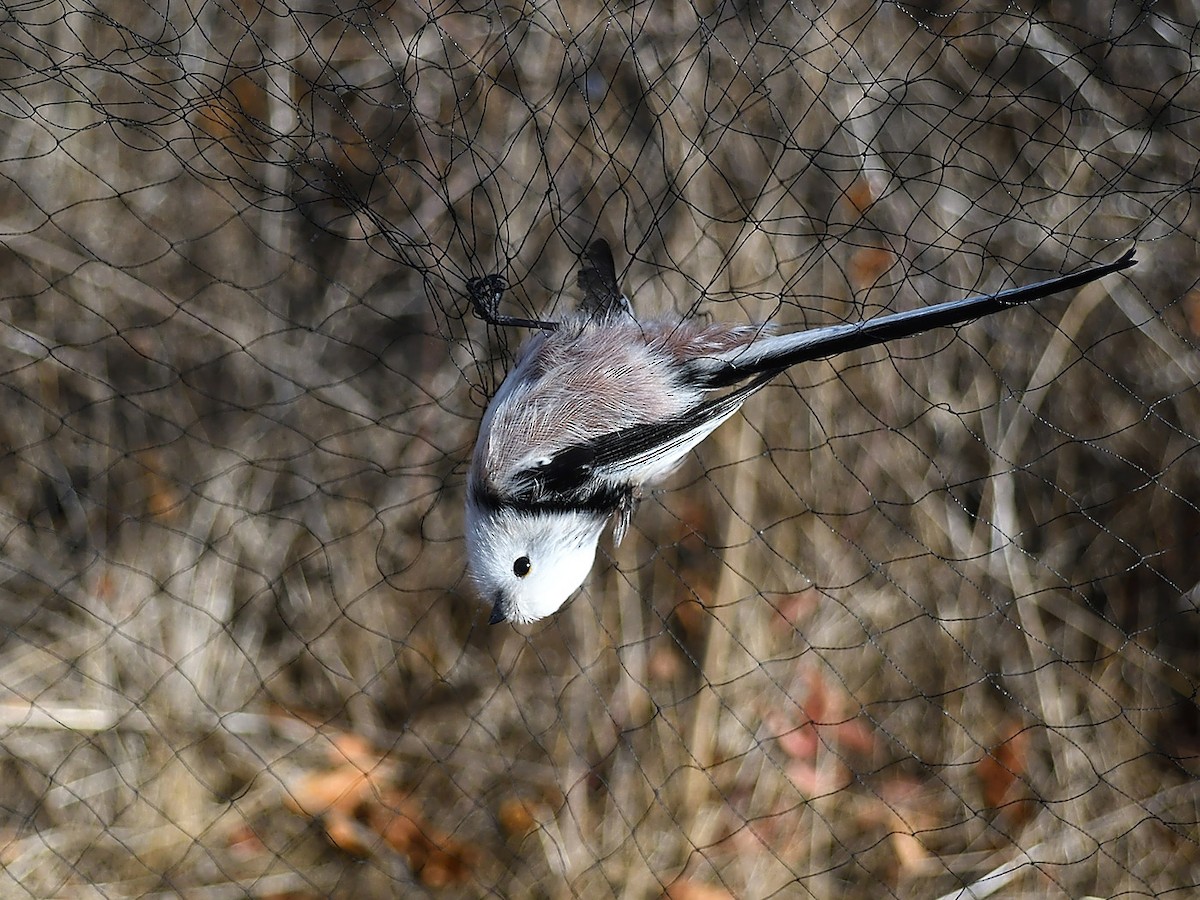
(498, 613)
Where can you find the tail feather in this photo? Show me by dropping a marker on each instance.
(776, 353)
(602, 296)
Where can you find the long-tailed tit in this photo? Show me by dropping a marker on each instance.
(600, 405)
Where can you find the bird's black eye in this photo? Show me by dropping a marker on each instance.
(522, 566)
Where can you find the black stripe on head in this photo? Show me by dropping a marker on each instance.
(600, 500)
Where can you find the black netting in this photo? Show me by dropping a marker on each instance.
(921, 621)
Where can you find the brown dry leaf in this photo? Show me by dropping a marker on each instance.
(855, 736)
(692, 618)
(692, 516)
(866, 266)
(665, 663)
(829, 708)
(347, 747)
(162, 502)
(230, 116)
(911, 854)
(860, 195)
(818, 700)
(346, 834)
(163, 497)
(904, 808)
(437, 858)
(1002, 778)
(906, 813)
(814, 780)
(906, 796)
(792, 609)
(244, 842)
(105, 586)
(1191, 311)
(800, 742)
(687, 889)
(9, 844)
(803, 737)
(516, 817)
(1000, 771)
(216, 119)
(357, 803)
(444, 869)
(339, 790)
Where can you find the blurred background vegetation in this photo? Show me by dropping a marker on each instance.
(922, 617)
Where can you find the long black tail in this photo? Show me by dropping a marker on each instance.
(778, 352)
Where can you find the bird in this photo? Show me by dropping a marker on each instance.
(598, 406)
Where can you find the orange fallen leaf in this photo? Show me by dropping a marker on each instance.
(792, 609)
(346, 834)
(1000, 770)
(910, 852)
(855, 736)
(691, 517)
(1002, 776)
(903, 807)
(688, 889)
(359, 806)
(860, 195)
(818, 699)
(437, 858)
(230, 115)
(801, 742)
(665, 663)
(692, 618)
(1191, 311)
(516, 817)
(817, 781)
(347, 747)
(163, 497)
(244, 842)
(9, 845)
(338, 790)
(867, 265)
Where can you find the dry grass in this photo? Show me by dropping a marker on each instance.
(920, 615)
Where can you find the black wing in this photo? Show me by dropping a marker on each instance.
(581, 470)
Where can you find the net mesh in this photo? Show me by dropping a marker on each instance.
(921, 621)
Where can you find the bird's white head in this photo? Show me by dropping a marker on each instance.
(528, 562)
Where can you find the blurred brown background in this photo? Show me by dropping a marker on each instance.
(919, 615)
